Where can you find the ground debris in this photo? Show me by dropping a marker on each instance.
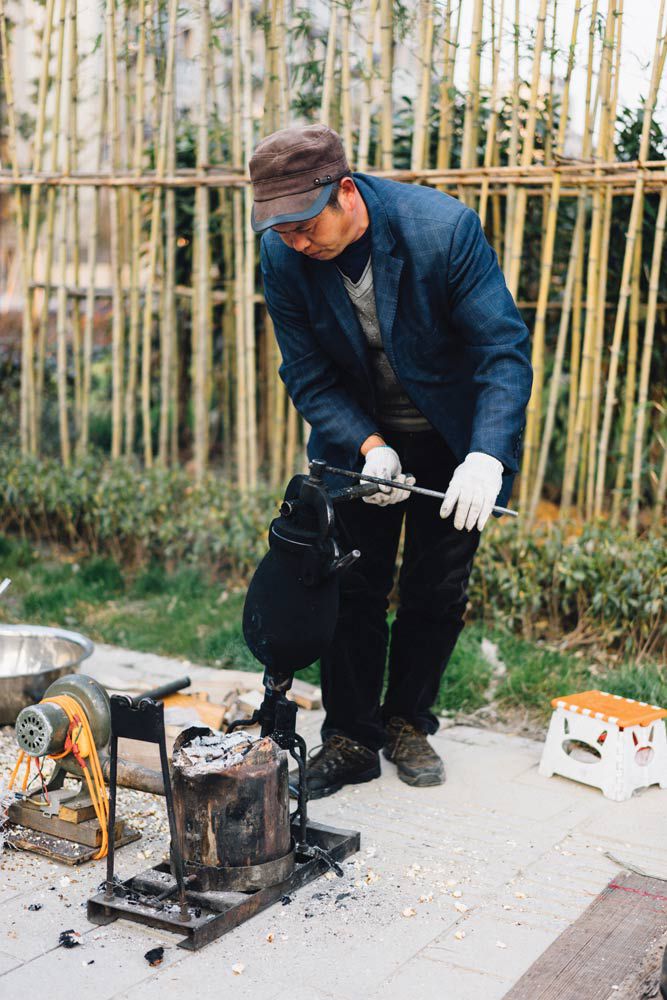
(154, 956)
(238, 968)
(35, 906)
(66, 938)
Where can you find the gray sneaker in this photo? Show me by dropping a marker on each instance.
(415, 759)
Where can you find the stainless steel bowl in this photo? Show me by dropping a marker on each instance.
(31, 658)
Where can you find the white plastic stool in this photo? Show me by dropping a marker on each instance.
(613, 743)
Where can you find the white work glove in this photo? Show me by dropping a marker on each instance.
(473, 490)
(383, 462)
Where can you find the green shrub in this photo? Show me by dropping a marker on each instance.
(599, 587)
(135, 516)
(102, 575)
(596, 588)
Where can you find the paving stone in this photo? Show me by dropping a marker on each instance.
(8, 962)
(494, 830)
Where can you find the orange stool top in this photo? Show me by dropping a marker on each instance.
(611, 708)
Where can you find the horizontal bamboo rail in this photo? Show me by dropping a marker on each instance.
(580, 173)
(219, 297)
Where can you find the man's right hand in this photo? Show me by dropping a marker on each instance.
(383, 462)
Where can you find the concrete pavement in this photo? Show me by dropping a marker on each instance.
(455, 892)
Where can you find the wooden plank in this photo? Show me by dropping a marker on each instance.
(77, 810)
(602, 947)
(67, 852)
(87, 833)
(209, 714)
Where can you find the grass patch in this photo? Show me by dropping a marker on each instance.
(187, 614)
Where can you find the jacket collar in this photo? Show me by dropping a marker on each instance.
(386, 275)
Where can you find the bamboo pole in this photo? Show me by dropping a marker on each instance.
(117, 317)
(647, 351)
(89, 326)
(366, 111)
(607, 94)
(345, 80)
(249, 254)
(386, 76)
(630, 385)
(329, 64)
(554, 387)
(241, 421)
(202, 324)
(546, 268)
(168, 351)
(637, 201)
(420, 138)
(661, 492)
(73, 208)
(56, 126)
(490, 146)
(579, 405)
(26, 345)
(527, 153)
(513, 147)
(63, 239)
(155, 239)
(468, 144)
(447, 95)
(145, 15)
(28, 369)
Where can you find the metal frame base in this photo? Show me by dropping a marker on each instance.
(212, 914)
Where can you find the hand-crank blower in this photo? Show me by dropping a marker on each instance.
(72, 726)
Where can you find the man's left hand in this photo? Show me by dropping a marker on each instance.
(473, 490)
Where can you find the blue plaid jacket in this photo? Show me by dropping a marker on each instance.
(449, 325)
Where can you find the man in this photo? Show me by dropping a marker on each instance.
(403, 349)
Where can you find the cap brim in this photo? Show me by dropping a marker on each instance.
(289, 208)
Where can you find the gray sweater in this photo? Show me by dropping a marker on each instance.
(396, 411)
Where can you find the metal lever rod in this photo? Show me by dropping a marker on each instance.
(404, 486)
(159, 693)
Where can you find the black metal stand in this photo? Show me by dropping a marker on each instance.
(145, 897)
(150, 897)
(142, 720)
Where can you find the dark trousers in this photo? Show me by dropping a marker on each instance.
(437, 560)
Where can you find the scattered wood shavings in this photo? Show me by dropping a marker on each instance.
(409, 911)
(520, 895)
(459, 935)
(270, 937)
(461, 907)
(426, 899)
(238, 968)
(457, 894)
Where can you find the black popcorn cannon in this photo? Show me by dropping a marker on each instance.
(235, 847)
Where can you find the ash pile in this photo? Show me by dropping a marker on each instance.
(203, 749)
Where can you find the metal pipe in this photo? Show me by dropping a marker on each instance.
(405, 486)
(131, 775)
(159, 693)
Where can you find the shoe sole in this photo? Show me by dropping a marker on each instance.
(423, 780)
(359, 779)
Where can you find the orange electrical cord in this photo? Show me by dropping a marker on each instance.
(81, 745)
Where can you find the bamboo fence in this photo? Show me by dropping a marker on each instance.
(137, 268)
